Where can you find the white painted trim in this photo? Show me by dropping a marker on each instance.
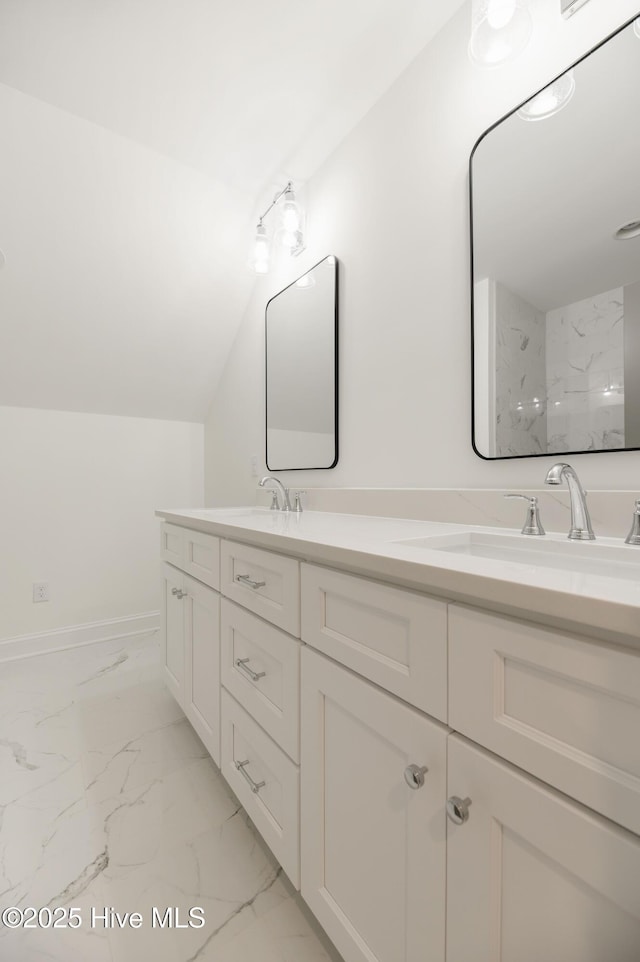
(75, 636)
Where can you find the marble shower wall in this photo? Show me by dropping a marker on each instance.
(520, 387)
(585, 374)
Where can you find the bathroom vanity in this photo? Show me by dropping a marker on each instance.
(440, 747)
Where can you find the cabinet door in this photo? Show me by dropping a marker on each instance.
(202, 663)
(372, 848)
(172, 629)
(532, 875)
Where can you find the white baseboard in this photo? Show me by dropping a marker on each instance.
(77, 635)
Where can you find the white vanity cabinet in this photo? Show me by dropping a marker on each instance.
(190, 630)
(373, 818)
(443, 783)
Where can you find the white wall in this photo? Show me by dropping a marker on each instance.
(77, 500)
(392, 204)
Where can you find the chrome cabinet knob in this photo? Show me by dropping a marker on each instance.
(458, 809)
(179, 593)
(414, 775)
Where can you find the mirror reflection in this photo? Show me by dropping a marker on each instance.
(301, 371)
(556, 264)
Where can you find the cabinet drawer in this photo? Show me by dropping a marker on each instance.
(171, 544)
(266, 782)
(195, 552)
(202, 557)
(396, 638)
(561, 707)
(251, 647)
(264, 582)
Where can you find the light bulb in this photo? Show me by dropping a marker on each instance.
(500, 13)
(290, 212)
(261, 251)
(550, 100)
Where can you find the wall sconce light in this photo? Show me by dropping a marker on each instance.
(500, 30)
(550, 100)
(289, 235)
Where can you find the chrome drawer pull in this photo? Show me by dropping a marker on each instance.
(242, 663)
(414, 775)
(246, 580)
(254, 786)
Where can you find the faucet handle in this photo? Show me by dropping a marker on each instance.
(532, 525)
(297, 507)
(274, 501)
(634, 535)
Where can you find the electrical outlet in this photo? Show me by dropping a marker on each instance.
(254, 465)
(40, 591)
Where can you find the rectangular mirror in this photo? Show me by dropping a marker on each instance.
(301, 324)
(555, 205)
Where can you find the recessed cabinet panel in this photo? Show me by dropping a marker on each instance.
(266, 781)
(261, 668)
(202, 557)
(532, 875)
(202, 687)
(171, 544)
(562, 707)
(395, 637)
(372, 847)
(264, 582)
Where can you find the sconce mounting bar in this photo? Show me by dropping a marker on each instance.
(288, 186)
(569, 7)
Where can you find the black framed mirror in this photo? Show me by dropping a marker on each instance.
(301, 352)
(555, 226)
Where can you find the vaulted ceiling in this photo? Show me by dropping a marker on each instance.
(140, 139)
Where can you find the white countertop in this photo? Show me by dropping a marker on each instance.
(598, 606)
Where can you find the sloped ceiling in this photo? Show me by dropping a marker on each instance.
(140, 139)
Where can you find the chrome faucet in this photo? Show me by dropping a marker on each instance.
(581, 529)
(286, 504)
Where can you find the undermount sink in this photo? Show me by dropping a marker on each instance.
(610, 561)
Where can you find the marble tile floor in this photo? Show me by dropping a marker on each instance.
(109, 799)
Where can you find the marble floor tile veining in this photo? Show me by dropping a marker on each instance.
(110, 806)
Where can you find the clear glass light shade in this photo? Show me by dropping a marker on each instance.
(291, 236)
(500, 31)
(261, 251)
(290, 213)
(550, 100)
